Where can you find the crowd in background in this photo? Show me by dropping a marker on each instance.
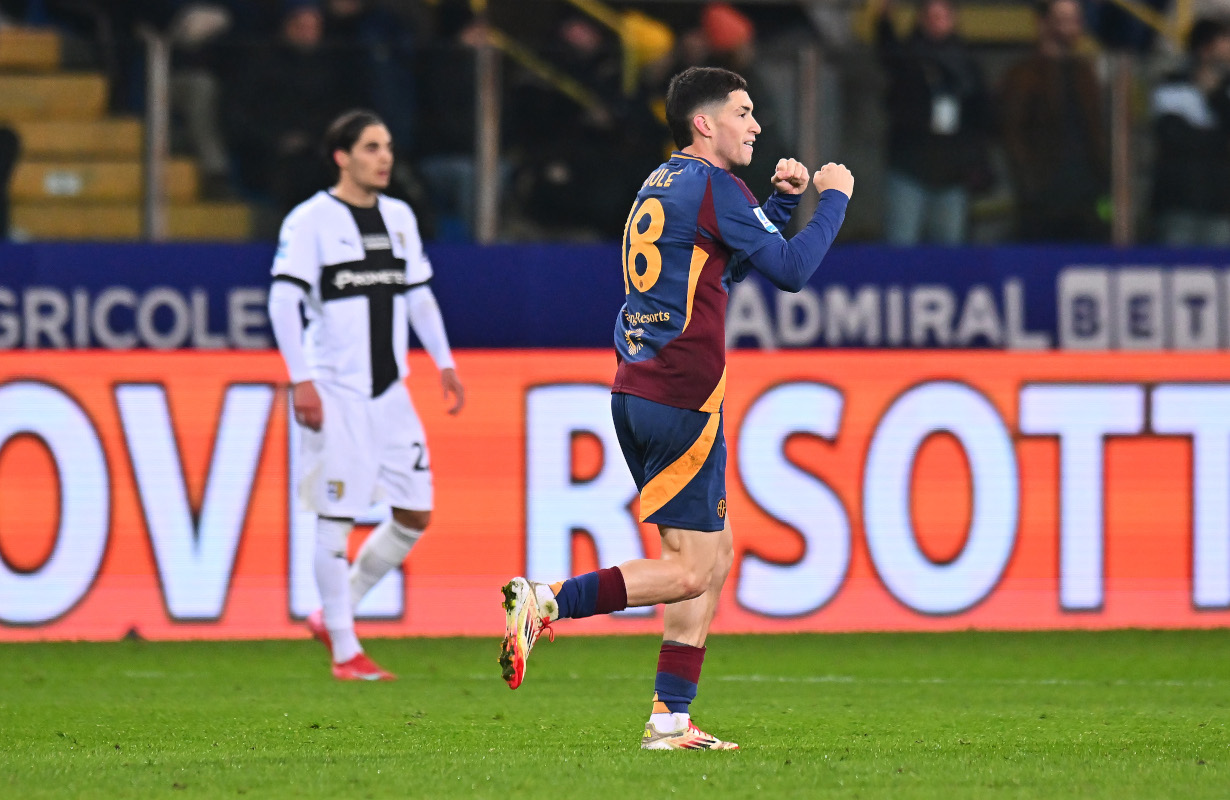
(254, 83)
(1048, 114)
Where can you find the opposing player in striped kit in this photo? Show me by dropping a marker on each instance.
(352, 260)
(694, 229)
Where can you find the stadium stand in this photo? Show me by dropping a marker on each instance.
(80, 175)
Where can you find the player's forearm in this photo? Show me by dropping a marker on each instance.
(284, 299)
(424, 313)
(790, 264)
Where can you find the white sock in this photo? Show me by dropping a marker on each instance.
(665, 723)
(384, 549)
(548, 608)
(332, 580)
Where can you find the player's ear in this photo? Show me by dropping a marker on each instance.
(701, 123)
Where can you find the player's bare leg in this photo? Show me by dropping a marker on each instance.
(687, 621)
(693, 563)
(685, 630)
(688, 577)
(685, 572)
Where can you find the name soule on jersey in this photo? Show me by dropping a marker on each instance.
(691, 233)
(355, 264)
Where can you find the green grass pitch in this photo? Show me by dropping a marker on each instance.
(1127, 714)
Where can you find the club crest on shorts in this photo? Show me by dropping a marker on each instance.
(335, 490)
(721, 508)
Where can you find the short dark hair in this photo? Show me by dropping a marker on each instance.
(1043, 7)
(693, 88)
(1204, 32)
(344, 132)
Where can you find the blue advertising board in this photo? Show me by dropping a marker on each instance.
(209, 296)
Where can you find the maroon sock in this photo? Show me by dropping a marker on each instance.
(678, 676)
(612, 593)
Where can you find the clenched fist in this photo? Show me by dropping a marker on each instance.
(834, 176)
(790, 177)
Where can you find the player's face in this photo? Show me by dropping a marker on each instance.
(938, 19)
(370, 162)
(1219, 52)
(734, 130)
(1066, 23)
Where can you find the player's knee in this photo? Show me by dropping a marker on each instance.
(694, 582)
(415, 520)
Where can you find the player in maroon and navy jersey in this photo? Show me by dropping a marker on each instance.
(694, 230)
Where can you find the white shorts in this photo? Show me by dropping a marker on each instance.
(368, 450)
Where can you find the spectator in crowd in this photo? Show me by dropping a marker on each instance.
(1054, 134)
(283, 96)
(1191, 168)
(939, 120)
(730, 39)
(196, 92)
(445, 147)
(570, 146)
(377, 48)
(723, 36)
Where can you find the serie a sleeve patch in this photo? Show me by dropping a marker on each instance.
(760, 215)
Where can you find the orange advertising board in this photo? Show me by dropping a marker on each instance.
(867, 491)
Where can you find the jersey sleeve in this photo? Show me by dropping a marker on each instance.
(418, 265)
(789, 264)
(298, 258)
(741, 224)
(779, 207)
(418, 269)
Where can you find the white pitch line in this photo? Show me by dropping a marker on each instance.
(965, 681)
(852, 679)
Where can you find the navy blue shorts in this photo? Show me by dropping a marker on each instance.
(677, 458)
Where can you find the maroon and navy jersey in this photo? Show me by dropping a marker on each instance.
(694, 230)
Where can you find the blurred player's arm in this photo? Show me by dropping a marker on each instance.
(285, 297)
(296, 268)
(424, 313)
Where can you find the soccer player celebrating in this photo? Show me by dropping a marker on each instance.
(353, 260)
(694, 229)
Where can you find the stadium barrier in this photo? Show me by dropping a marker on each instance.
(210, 297)
(870, 490)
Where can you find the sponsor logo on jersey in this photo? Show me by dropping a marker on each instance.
(377, 241)
(768, 226)
(380, 277)
(335, 490)
(721, 508)
(639, 318)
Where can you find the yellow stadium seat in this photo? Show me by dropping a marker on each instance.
(120, 221)
(86, 181)
(59, 96)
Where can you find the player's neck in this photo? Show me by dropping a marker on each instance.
(700, 150)
(352, 194)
